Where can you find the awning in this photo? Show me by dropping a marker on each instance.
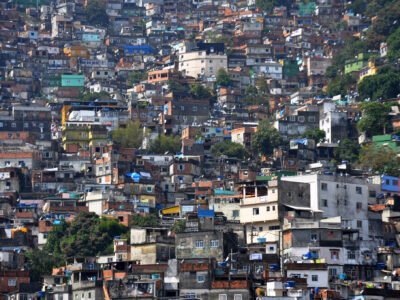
(304, 208)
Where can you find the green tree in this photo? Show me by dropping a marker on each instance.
(223, 78)
(266, 5)
(54, 238)
(150, 220)
(266, 138)
(137, 76)
(198, 91)
(347, 150)
(96, 13)
(381, 160)
(94, 96)
(393, 42)
(166, 143)
(229, 149)
(86, 235)
(384, 85)
(178, 88)
(130, 136)
(374, 118)
(316, 134)
(179, 226)
(341, 85)
(41, 262)
(89, 235)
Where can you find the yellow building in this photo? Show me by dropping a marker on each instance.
(76, 51)
(369, 70)
(82, 135)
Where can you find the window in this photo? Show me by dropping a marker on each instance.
(200, 278)
(351, 255)
(268, 208)
(324, 202)
(372, 194)
(237, 297)
(314, 236)
(314, 254)
(12, 282)
(260, 228)
(13, 125)
(235, 213)
(222, 297)
(314, 277)
(181, 168)
(256, 211)
(359, 224)
(194, 108)
(395, 182)
(274, 227)
(199, 244)
(273, 207)
(324, 186)
(358, 190)
(358, 205)
(214, 243)
(334, 254)
(89, 295)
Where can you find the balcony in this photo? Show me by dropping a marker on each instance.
(233, 284)
(87, 284)
(331, 243)
(188, 267)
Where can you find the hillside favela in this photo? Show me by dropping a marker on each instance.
(199, 149)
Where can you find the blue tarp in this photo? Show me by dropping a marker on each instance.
(135, 176)
(300, 141)
(139, 49)
(205, 213)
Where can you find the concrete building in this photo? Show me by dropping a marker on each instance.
(330, 196)
(201, 64)
(259, 211)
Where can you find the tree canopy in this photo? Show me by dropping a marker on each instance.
(198, 91)
(347, 150)
(229, 149)
(166, 143)
(130, 136)
(384, 85)
(381, 160)
(266, 138)
(87, 235)
(223, 78)
(316, 134)
(150, 220)
(374, 118)
(96, 13)
(94, 96)
(137, 76)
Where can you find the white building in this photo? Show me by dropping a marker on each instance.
(333, 195)
(200, 64)
(259, 212)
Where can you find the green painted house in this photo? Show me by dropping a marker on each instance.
(356, 64)
(74, 80)
(290, 68)
(387, 140)
(307, 9)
